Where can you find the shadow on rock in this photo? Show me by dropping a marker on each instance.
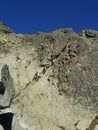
(2, 88)
(6, 120)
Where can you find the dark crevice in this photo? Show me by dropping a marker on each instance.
(6, 120)
(2, 88)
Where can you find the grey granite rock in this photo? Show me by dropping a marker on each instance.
(68, 85)
(7, 92)
(76, 69)
(1, 128)
(16, 125)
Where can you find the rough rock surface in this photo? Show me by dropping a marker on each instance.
(4, 28)
(55, 77)
(7, 90)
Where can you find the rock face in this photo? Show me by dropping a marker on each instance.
(77, 71)
(55, 77)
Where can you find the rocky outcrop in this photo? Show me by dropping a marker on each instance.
(55, 77)
(7, 89)
(4, 28)
(76, 70)
(7, 93)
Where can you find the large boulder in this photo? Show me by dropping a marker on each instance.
(7, 90)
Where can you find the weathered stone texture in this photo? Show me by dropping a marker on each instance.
(7, 88)
(65, 66)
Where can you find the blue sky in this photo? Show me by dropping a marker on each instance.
(31, 16)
